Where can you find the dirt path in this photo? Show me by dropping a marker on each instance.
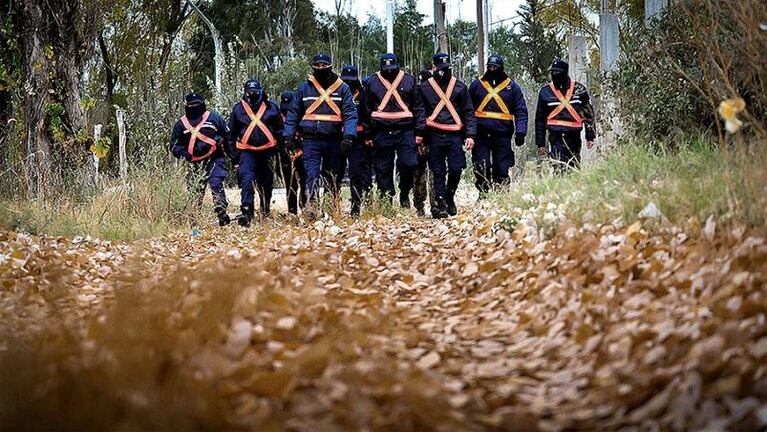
(387, 324)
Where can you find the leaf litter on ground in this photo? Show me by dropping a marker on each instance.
(388, 324)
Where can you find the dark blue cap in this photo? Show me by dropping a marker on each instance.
(194, 98)
(441, 60)
(350, 73)
(495, 60)
(252, 86)
(321, 58)
(389, 62)
(286, 98)
(559, 65)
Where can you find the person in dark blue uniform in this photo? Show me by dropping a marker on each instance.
(325, 116)
(292, 163)
(501, 114)
(358, 156)
(396, 127)
(199, 137)
(564, 110)
(256, 126)
(450, 124)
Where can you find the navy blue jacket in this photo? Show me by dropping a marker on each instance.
(215, 127)
(515, 101)
(239, 122)
(306, 94)
(408, 91)
(547, 102)
(461, 101)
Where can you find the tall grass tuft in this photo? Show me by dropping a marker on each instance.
(693, 182)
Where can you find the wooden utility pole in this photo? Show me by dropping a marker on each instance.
(390, 26)
(483, 37)
(480, 34)
(440, 38)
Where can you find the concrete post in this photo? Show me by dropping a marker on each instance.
(96, 137)
(608, 125)
(578, 57)
(122, 140)
(652, 8)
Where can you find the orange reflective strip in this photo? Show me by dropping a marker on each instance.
(565, 123)
(195, 135)
(255, 121)
(494, 115)
(564, 103)
(391, 91)
(325, 97)
(444, 102)
(494, 94)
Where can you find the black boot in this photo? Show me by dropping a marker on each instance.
(223, 216)
(440, 211)
(450, 202)
(420, 212)
(246, 217)
(355, 210)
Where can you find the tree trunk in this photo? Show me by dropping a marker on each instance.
(36, 72)
(55, 40)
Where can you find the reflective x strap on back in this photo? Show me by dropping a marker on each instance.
(325, 97)
(391, 91)
(494, 94)
(564, 103)
(444, 102)
(255, 121)
(196, 135)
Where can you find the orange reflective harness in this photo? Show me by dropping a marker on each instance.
(444, 102)
(255, 121)
(391, 91)
(494, 94)
(324, 97)
(196, 135)
(564, 103)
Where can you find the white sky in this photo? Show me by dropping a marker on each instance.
(463, 9)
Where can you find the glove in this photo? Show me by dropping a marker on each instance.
(346, 144)
(519, 140)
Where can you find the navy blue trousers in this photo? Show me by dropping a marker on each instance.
(322, 158)
(492, 157)
(447, 161)
(360, 171)
(209, 172)
(256, 171)
(294, 179)
(387, 145)
(566, 148)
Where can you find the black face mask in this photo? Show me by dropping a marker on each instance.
(443, 76)
(560, 79)
(254, 98)
(323, 75)
(496, 76)
(354, 85)
(390, 75)
(195, 111)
